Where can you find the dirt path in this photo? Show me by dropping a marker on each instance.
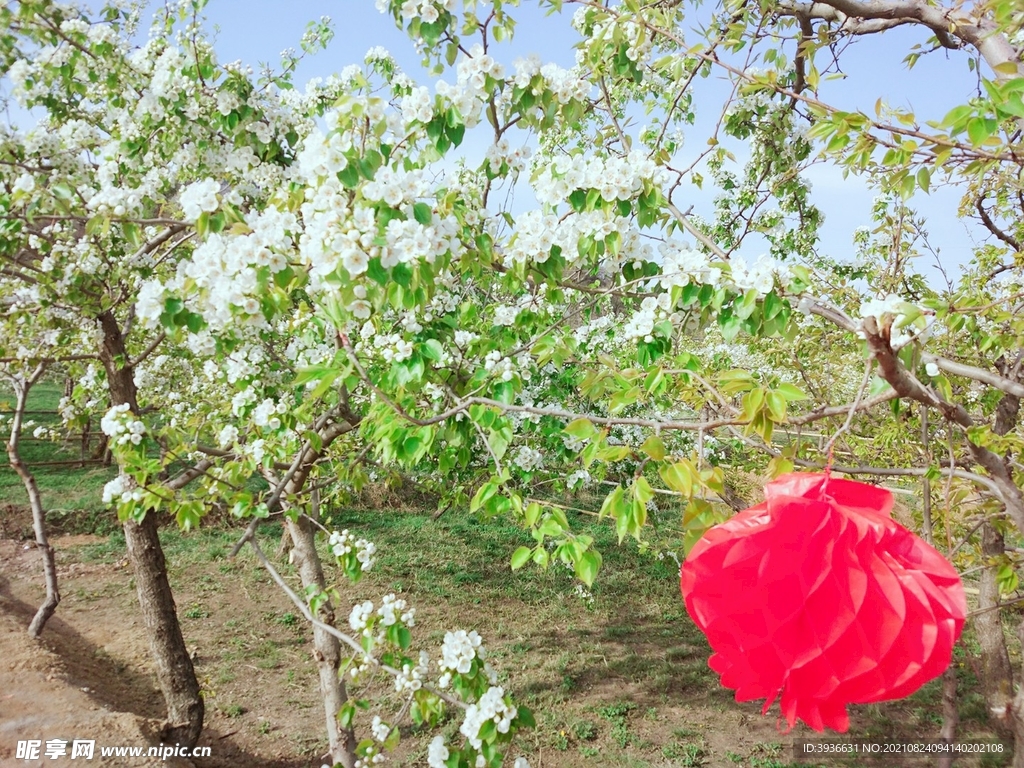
(88, 678)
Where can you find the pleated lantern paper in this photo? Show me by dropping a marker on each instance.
(819, 597)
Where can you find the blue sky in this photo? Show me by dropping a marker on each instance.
(257, 30)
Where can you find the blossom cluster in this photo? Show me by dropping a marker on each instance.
(491, 706)
(641, 324)
(344, 543)
(503, 154)
(338, 240)
(418, 106)
(199, 198)
(537, 232)
(759, 276)
(896, 310)
(891, 305)
(120, 423)
(222, 278)
(426, 11)
(120, 489)
(370, 756)
(458, 651)
(410, 678)
(469, 94)
(393, 610)
(616, 178)
(528, 459)
(506, 368)
(613, 27)
(565, 84)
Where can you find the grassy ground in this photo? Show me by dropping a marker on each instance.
(71, 494)
(619, 678)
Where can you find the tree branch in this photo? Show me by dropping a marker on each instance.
(906, 385)
(1009, 386)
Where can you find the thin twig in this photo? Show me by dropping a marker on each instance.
(331, 630)
(853, 409)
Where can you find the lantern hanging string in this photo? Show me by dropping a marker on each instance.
(830, 447)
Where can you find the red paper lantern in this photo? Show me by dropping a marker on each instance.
(817, 595)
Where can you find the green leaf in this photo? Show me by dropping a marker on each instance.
(349, 176)
(550, 526)
(979, 129)
(642, 490)
(346, 714)
(773, 305)
(580, 429)
(404, 637)
(402, 274)
(483, 494)
(612, 503)
(790, 392)
(456, 133)
(654, 379)
(422, 213)
(498, 440)
(654, 447)
(678, 477)
(587, 567)
(622, 524)
(532, 513)
(776, 406)
(432, 350)
(521, 557)
(614, 452)
(735, 381)
(377, 272)
(779, 465)
(752, 402)
(622, 399)
(924, 178)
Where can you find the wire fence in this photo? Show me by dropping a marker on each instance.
(89, 444)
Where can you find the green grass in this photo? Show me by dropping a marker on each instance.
(552, 650)
(598, 676)
(464, 558)
(72, 495)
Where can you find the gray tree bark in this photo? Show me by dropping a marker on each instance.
(326, 648)
(52, 599)
(996, 672)
(950, 714)
(174, 670)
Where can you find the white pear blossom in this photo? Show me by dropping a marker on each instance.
(459, 649)
(437, 753)
(491, 706)
(199, 198)
(24, 183)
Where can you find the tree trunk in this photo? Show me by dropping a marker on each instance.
(175, 673)
(996, 672)
(174, 668)
(950, 715)
(49, 605)
(1018, 719)
(326, 649)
